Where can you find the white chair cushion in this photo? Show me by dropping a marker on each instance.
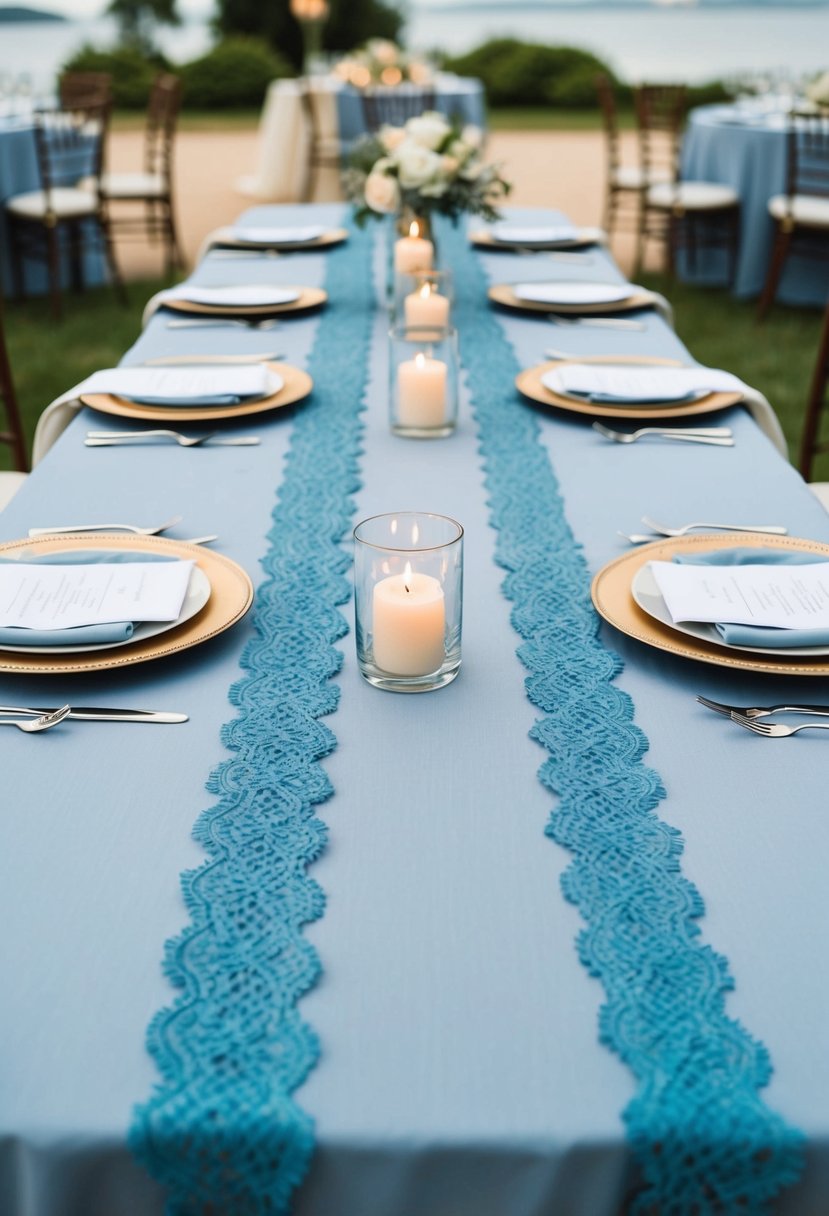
(693, 196)
(67, 203)
(631, 177)
(808, 209)
(10, 483)
(132, 185)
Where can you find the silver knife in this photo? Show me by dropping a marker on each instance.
(93, 713)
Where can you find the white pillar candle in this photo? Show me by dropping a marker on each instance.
(413, 252)
(421, 392)
(409, 623)
(427, 307)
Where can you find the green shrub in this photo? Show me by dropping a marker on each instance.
(132, 72)
(709, 94)
(235, 74)
(516, 73)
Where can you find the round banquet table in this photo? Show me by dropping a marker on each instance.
(283, 132)
(745, 147)
(19, 173)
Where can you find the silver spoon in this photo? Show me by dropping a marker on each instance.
(45, 722)
(108, 528)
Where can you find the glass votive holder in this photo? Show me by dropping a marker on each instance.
(408, 594)
(423, 381)
(424, 298)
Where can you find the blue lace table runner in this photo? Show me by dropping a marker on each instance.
(704, 1140)
(222, 1131)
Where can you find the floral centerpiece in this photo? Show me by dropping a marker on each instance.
(382, 62)
(428, 166)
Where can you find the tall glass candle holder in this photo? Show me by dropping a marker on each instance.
(423, 381)
(408, 594)
(423, 298)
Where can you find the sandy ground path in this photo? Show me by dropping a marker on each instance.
(551, 168)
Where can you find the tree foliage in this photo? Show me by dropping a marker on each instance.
(350, 23)
(136, 19)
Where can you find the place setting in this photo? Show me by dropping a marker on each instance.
(754, 599)
(246, 240)
(574, 298)
(629, 387)
(194, 392)
(241, 301)
(98, 600)
(510, 237)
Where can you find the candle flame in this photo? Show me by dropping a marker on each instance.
(420, 360)
(407, 576)
(414, 228)
(425, 291)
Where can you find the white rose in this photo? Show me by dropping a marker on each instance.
(473, 136)
(435, 189)
(429, 129)
(416, 165)
(382, 193)
(391, 137)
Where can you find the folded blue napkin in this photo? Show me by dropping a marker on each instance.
(760, 635)
(80, 635)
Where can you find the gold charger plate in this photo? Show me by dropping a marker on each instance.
(334, 237)
(584, 238)
(297, 385)
(309, 297)
(529, 385)
(613, 600)
(231, 595)
(504, 294)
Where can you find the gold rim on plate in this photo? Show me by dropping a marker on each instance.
(583, 239)
(296, 386)
(613, 600)
(529, 384)
(335, 236)
(308, 298)
(231, 595)
(504, 294)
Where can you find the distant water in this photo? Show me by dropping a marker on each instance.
(40, 48)
(693, 44)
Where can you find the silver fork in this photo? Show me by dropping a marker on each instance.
(104, 439)
(715, 436)
(156, 531)
(33, 725)
(762, 711)
(204, 322)
(775, 730)
(773, 529)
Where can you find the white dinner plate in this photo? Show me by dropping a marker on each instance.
(273, 384)
(279, 236)
(574, 293)
(647, 595)
(251, 295)
(524, 234)
(195, 598)
(550, 380)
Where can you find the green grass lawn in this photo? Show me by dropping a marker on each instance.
(776, 357)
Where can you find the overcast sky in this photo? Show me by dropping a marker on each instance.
(95, 8)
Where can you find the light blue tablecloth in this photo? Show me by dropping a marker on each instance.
(19, 173)
(461, 1073)
(741, 149)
